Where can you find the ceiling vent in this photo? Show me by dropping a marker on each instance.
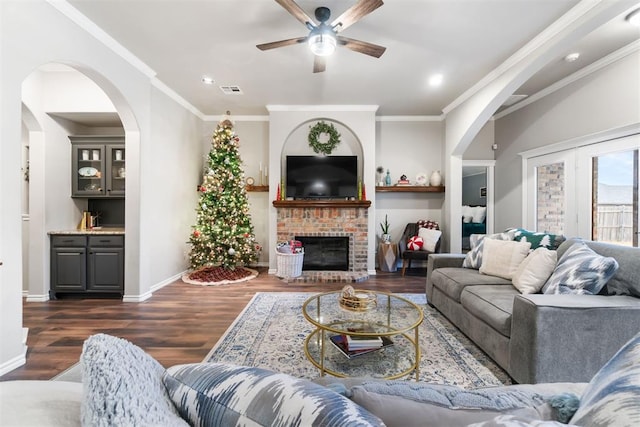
(231, 90)
(513, 99)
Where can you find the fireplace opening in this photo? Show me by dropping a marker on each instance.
(325, 253)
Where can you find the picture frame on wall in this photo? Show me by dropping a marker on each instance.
(483, 191)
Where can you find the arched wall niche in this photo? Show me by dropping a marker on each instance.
(297, 144)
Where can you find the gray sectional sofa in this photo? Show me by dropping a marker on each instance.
(540, 338)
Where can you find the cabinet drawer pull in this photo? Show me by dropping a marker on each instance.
(105, 241)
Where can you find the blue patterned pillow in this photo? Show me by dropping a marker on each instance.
(217, 394)
(612, 398)
(580, 271)
(474, 256)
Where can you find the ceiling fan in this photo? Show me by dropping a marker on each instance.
(323, 38)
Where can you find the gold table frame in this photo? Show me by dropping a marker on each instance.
(319, 334)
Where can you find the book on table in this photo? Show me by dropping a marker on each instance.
(356, 342)
(340, 342)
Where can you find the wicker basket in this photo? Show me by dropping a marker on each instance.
(289, 265)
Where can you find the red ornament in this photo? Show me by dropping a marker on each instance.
(196, 233)
(415, 243)
(203, 189)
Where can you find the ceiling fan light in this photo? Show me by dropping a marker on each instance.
(322, 44)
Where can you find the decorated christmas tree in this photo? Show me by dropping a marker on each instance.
(223, 233)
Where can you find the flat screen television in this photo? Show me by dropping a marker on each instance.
(322, 177)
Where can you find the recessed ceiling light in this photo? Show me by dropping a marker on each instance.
(436, 80)
(634, 18)
(572, 57)
(208, 80)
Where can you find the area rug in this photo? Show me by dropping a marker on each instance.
(270, 333)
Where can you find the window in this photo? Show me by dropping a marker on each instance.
(590, 191)
(614, 208)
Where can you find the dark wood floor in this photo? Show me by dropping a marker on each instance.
(180, 323)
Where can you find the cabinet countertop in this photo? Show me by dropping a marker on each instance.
(98, 230)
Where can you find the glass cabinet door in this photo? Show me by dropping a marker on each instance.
(89, 174)
(117, 172)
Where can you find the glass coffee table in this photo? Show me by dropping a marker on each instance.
(393, 318)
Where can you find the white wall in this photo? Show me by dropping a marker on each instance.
(604, 100)
(409, 148)
(36, 33)
(175, 153)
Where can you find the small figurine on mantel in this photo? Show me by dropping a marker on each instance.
(403, 180)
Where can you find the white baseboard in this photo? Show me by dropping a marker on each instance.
(37, 298)
(272, 271)
(137, 298)
(168, 281)
(371, 272)
(12, 364)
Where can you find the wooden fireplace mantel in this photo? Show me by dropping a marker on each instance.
(322, 203)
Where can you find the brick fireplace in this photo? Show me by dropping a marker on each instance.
(337, 218)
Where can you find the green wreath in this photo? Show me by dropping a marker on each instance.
(316, 131)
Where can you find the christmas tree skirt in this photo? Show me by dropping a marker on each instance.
(213, 276)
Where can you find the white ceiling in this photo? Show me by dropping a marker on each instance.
(183, 40)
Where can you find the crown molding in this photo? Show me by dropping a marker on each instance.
(439, 118)
(545, 36)
(341, 108)
(580, 74)
(237, 118)
(177, 98)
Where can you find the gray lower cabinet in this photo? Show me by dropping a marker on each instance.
(87, 264)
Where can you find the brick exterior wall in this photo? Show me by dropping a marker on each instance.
(351, 222)
(550, 198)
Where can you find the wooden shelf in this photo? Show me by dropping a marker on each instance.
(255, 188)
(410, 189)
(322, 203)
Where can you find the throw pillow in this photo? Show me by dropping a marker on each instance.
(534, 271)
(430, 238)
(122, 385)
(217, 394)
(405, 403)
(415, 243)
(467, 213)
(612, 397)
(537, 239)
(474, 256)
(479, 213)
(424, 223)
(580, 271)
(502, 258)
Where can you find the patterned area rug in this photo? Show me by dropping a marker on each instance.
(270, 333)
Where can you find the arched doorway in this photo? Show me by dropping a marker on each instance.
(59, 101)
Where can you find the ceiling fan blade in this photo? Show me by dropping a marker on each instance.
(355, 13)
(362, 47)
(281, 43)
(319, 64)
(293, 8)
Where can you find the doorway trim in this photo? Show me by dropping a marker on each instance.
(490, 165)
